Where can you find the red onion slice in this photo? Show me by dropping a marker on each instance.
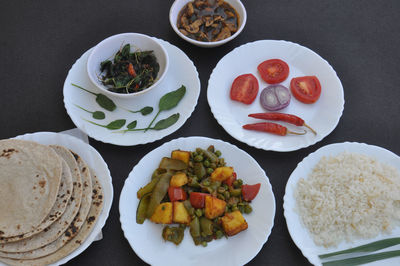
(275, 97)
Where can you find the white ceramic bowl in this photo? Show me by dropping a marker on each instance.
(107, 48)
(179, 4)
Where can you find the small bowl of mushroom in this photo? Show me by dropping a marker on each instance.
(207, 23)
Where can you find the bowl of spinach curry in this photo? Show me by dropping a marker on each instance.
(127, 64)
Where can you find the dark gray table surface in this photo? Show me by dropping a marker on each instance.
(40, 40)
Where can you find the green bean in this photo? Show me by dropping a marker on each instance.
(157, 173)
(148, 188)
(173, 234)
(172, 164)
(142, 208)
(159, 192)
(199, 170)
(193, 183)
(195, 230)
(210, 156)
(206, 226)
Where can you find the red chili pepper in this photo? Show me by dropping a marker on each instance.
(131, 70)
(271, 128)
(292, 119)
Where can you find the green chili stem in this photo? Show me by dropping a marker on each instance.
(83, 89)
(94, 123)
(363, 259)
(152, 121)
(83, 109)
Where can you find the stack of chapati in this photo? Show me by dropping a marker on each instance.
(50, 201)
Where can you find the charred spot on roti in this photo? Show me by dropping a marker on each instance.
(78, 242)
(42, 183)
(75, 155)
(91, 219)
(94, 191)
(8, 152)
(84, 169)
(74, 183)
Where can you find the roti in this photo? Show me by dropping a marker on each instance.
(73, 228)
(30, 175)
(58, 228)
(75, 243)
(64, 194)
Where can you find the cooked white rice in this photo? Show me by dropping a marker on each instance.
(348, 197)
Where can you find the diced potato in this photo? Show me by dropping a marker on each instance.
(162, 214)
(233, 223)
(222, 173)
(178, 180)
(214, 207)
(180, 214)
(184, 156)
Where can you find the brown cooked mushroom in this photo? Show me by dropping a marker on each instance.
(184, 32)
(195, 26)
(208, 20)
(231, 26)
(225, 33)
(190, 9)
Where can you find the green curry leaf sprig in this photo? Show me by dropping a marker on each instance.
(167, 102)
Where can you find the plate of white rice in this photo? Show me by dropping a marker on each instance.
(342, 196)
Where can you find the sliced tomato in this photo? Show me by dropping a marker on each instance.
(176, 193)
(197, 199)
(273, 71)
(244, 88)
(306, 89)
(249, 192)
(229, 181)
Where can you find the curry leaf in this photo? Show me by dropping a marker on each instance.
(132, 125)
(116, 124)
(146, 110)
(167, 122)
(171, 99)
(101, 99)
(96, 115)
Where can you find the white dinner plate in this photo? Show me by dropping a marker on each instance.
(181, 71)
(298, 231)
(323, 115)
(96, 162)
(146, 240)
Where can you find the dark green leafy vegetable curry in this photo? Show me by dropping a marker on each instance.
(129, 72)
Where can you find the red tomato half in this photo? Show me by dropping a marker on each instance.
(306, 89)
(244, 88)
(176, 193)
(197, 199)
(249, 192)
(273, 71)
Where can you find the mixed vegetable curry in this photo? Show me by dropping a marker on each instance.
(196, 190)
